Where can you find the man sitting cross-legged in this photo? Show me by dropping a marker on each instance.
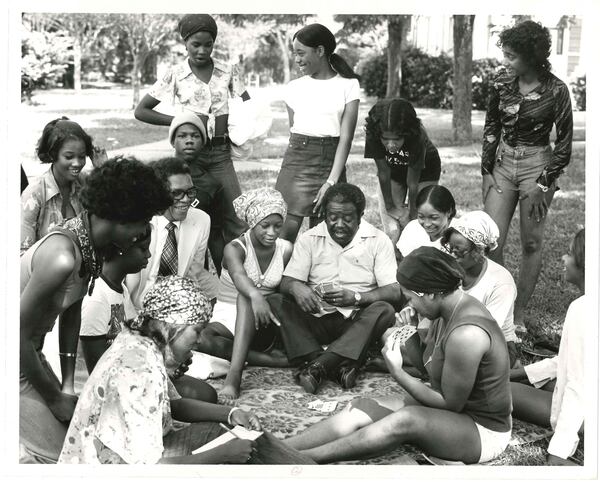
(336, 291)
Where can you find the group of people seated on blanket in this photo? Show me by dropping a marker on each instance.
(123, 256)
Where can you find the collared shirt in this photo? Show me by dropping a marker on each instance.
(41, 204)
(366, 263)
(567, 410)
(527, 120)
(179, 86)
(161, 237)
(124, 409)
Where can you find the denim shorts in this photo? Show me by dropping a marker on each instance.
(518, 168)
(306, 166)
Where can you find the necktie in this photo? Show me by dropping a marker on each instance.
(168, 259)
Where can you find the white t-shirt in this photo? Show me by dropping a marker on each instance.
(496, 289)
(568, 404)
(414, 236)
(318, 105)
(104, 312)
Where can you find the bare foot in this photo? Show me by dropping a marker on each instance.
(228, 394)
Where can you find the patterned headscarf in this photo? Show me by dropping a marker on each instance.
(478, 227)
(175, 300)
(255, 205)
(197, 22)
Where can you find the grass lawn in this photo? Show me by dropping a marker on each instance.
(111, 123)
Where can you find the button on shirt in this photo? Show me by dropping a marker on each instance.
(366, 263)
(161, 238)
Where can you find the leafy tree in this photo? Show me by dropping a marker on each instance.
(279, 28)
(397, 28)
(462, 78)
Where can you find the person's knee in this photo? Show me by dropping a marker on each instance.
(407, 421)
(532, 244)
(280, 304)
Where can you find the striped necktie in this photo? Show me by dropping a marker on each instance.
(168, 259)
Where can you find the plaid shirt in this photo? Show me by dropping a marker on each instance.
(526, 120)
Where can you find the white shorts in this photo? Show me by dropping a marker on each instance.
(225, 314)
(492, 443)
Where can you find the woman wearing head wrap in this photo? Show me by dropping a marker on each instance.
(465, 413)
(202, 84)
(322, 109)
(130, 412)
(252, 269)
(469, 239)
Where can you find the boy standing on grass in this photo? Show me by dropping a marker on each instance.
(187, 135)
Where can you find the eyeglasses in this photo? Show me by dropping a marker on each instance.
(457, 252)
(179, 194)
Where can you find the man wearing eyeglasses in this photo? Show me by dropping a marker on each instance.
(179, 236)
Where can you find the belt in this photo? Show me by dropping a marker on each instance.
(217, 141)
(314, 139)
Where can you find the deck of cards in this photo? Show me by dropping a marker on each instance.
(400, 335)
(323, 288)
(321, 406)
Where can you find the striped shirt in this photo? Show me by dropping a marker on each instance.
(526, 120)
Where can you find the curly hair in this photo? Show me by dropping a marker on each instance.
(125, 191)
(56, 133)
(169, 166)
(345, 192)
(532, 41)
(399, 116)
(439, 197)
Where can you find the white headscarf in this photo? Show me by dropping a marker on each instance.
(479, 228)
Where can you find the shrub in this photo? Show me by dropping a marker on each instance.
(578, 88)
(484, 71)
(427, 79)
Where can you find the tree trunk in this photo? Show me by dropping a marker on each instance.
(285, 55)
(397, 26)
(135, 77)
(462, 98)
(77, 65)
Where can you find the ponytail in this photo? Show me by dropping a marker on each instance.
(338, 64)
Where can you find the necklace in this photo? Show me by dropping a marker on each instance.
(462, 294)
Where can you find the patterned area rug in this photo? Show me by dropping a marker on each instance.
(283, 406)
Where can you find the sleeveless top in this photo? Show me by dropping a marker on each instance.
(490, 402)
(71, 291)
(266, 282)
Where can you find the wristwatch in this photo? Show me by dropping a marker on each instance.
(357, 298)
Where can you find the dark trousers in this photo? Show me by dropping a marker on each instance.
(303, 333)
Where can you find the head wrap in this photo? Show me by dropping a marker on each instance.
(175, 300)
(186, 117)
(255, 205)
(197, 22)
(478, 227)
(429, 270)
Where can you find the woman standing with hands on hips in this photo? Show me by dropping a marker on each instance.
(202, 85)
(518, 165)
(323, 109)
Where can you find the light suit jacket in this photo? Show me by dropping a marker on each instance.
(191, 253)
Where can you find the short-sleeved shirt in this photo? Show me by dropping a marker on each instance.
(180, 87)
(414, 236)
(103, 313)
(366, 263)
(318, 105)
(124, 409)
(427, 159)
(41, 204)
(496, 289)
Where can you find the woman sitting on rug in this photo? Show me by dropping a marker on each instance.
(464, 415)
(119, 199)
(252, 269)
(435, 209)
(126, 409)
(470, 239)
(559, 405)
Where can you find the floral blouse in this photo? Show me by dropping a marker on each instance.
(41, 204)
(527, 120)
(124, 409)
(180, 86)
